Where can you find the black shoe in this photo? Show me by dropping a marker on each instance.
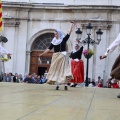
(71, 85)
(66, 88)
(118, 96)
(75, 85)
(57, 88)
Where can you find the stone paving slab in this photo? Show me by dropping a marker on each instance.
(21, 101)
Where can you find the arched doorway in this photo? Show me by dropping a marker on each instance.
(40, 44)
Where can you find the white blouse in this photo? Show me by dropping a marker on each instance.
(114, 44)
(3, 50)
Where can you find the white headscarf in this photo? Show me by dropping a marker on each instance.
(59, 40)
(75, 49)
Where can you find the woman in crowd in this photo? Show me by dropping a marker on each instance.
(60, 60)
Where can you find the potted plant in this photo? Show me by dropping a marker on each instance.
(88, 53)
(5, 59)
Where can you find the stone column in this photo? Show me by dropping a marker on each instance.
(27, 67)
(106, 71)
(11, 32)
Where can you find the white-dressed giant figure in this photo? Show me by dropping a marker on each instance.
(3, 52)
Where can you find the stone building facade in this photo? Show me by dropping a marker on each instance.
(29, 26)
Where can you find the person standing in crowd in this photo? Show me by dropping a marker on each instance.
(45, 74)
(99, 79)
(43, 79)
(115, 84)
(93, 82)
(38, 79)
(29, 79)
(11, 76)
(35, 79)
(100, 83)
(115, 71)
(60, 59)
(1, 76)
(15, 78)
(8, 77)
(77, 66)
(109, 83)
(4, 77)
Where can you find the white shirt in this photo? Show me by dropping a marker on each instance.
(114, 44)
(3, 51)
(76, 60)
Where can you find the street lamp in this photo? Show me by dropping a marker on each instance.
(79, 33)
(99, 33)
(88, 41)
(89, 29)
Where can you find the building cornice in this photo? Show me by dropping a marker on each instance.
(57, 6)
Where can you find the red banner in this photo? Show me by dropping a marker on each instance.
(0, 16)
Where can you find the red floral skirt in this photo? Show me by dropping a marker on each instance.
(77, 71)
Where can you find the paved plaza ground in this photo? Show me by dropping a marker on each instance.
(21, 101)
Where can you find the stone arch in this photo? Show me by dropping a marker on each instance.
(31, 41)
(42, 42)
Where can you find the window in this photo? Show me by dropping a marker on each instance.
(44, 60)
(43, 42)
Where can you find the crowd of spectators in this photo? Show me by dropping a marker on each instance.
(111, 83)
(33, 78)
(28, 78)
(37, 79)
(95, 83)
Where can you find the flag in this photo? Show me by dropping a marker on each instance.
(0, 16)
